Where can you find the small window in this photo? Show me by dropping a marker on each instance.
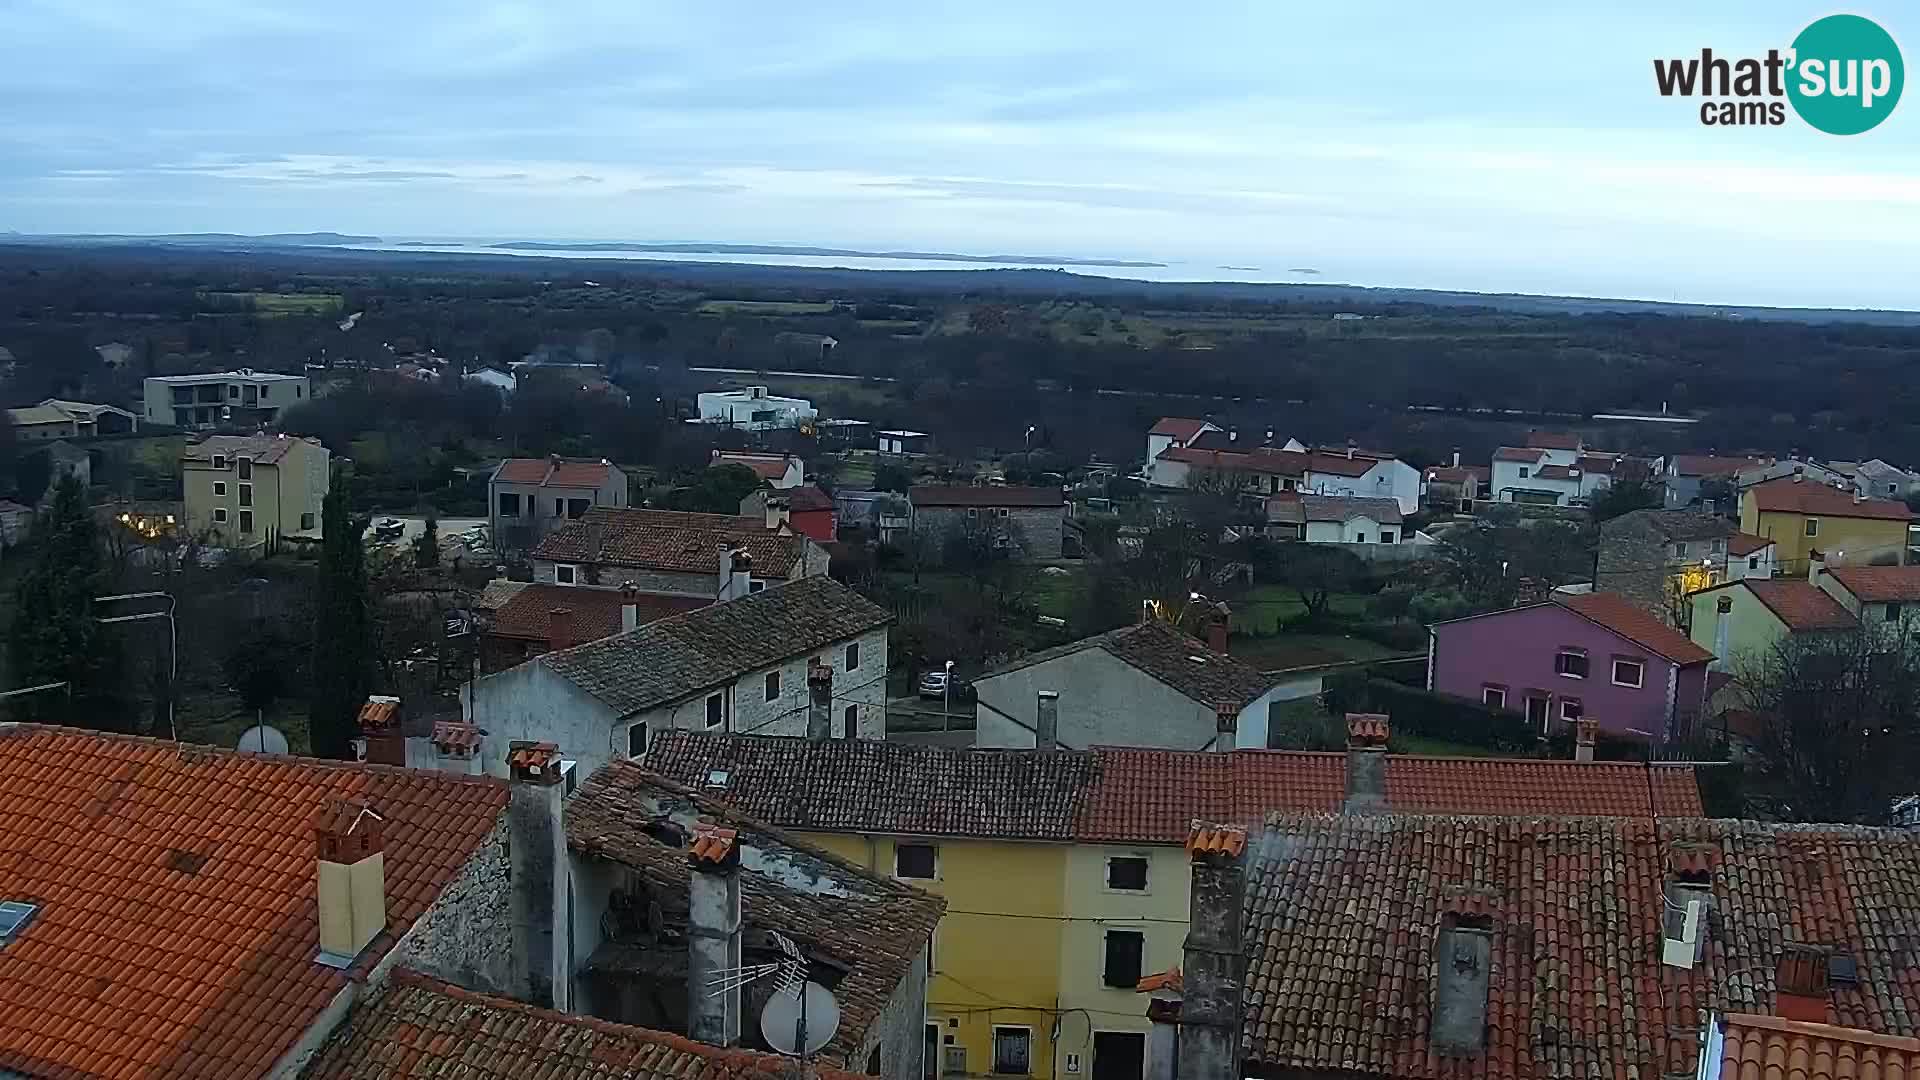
(559, 508)
(915, 861)
(1523, 472)
(266, 392)
(306, 522)
(220, 513)
(509, 504)
(1679, 549)
(773, 685)
(1571, 663)
(233, 390)
(220, 487)
(716, 710)
(1571, 709)
(1813, 526)
(578, 507)
(636, 740)
(296, 389)
(853, 656)
(1893, 612)
(1012, 1051)
(1125, 949)
(1719, 547)
(246, 521)
(853, 722)
(1387, 536)
(245, 465)
(220, 461)
(1495, 696)
(246, 494)
(1629, 673)
(1359, 538)
(754, 586)
(564, 575)
(1537, 711)
(1753, 562)
(1127, 873)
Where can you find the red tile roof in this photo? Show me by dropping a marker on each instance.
(1457, 474)
(806, 498)
(1511, 453)
(1141, 795)
(1265, 462)
(1343, 914)
(418, 1028)
(1556, 472)
(1595, 463)
(596, 612)
(971, 495)
(1800, 604)
(768, 467)
(542, 471)
(1176, 427)
(1168, 980)
(176, 930)
(1744, 544)
(1769, 1048)
(1553, 440)
(1620, 615)
(1784, 496)
(1880, 584)
(670, 540)
(1204, 839)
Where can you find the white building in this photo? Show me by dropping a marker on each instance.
(245, 398)
(754, 409)
(494, 379)
(1289, 466)
(1750, 556)
(1551, 470)
(1169, 432)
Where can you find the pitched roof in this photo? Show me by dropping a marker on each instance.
(596, 612)
(970, 495)
(1179, 660)
(873, 926)
(1178, 427)
(1618, 614)
(1783, 495)
(1671, 524)
(1800, 604)
(263, 449)
(1597, 463)
(176, 927)
(495, 594)
(1743, 544)
(864, 785)
(1514, 453)
(808, 497)
(1152, 796)
(1263, 461)
(1457, 474)
(548, 473)
(38, 414)
(1347, 507)
(1554, 440)
(767, 467)
(1342, 942)
(1879, 584)
(685, 654)
(418, 1028)
(1757, 1047)
(670, 540)
(1557, 472)
(1711, 465)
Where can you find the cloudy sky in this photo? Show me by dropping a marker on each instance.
(1513, 148)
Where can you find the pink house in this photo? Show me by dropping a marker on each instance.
(1585, 654)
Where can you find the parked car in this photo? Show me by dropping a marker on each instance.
(933, 685)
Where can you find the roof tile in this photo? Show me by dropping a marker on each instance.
(1801, 605)
(1618, 614)
(670, 540)
(596, 612)
(1785, 495)
(985, 495)
(1880, 584)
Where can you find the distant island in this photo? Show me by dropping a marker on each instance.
(850, 253)
(304, 239)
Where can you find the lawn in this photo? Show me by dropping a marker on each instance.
(1303, 650)
(1263, 607)
(269, 303)
(763, 307)
(896, 325)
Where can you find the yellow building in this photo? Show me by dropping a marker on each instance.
(1741, 621)
(1802, 516)
(248, 491)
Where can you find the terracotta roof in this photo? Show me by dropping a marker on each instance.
(1879, 584)
(1345, 508)
(543, 471)
(1285, 508)
(1342, 942)
(1204, 839)
(686, 654)
(1556, 472)
(1553, 440)
(1341, 465)
(456, 735)
(1511, 453)
(418, 1028)
(1597, 463)
(379, 711)
(263, 449)
(768, 467)
(1618, 614)
(596, 612)
(670, 540)
(1457, 474)
(872, 926)
(1162, 981)
(1181, 661)
(1142, 795)
(1800, 604)
(1782, 495)
(1770, 1048)
(864, 785)
(1177, 427)
(1265, 462)
(807, 497)
(176, 930)
(969, 495)
(1743, 544)
(1710, 465)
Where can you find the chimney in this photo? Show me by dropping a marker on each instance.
(1213, 964)
(1456, 457)
(1226, 726)
(560, 629)
(1366, 763)
(1146, 612)
(351, 893)
(779, 511)
(713, 936)
(1584, 730)
(1233, 435)
(1219, 622)
(1800, 983)
(1465, 954)
(380, 727)
(629, 607)
(1859, 496)
(742, 576)
(1722, 631)
(1046, 725)
(1351, 445)
(1163, 1012)
(537, 876)
(819, 700)
(1816, 565)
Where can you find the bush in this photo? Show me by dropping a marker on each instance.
(1392, 633)
(1436, 716)
(1297, 730)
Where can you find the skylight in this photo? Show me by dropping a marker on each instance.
(13, 916)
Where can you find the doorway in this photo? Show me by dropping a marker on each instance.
(1119, 1055)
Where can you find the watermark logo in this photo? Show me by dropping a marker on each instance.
(1842, 75)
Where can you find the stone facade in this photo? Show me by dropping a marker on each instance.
(1036, 532)
(1656, 557)
(466, 937)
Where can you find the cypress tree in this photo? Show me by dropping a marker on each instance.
(342, 631)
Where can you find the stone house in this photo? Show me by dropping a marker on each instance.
(527, 498)
(1656, 558)
(1684, 475)
(671, 553)
(1031, 521)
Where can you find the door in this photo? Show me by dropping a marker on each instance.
(1119, 1055)
(1537, 712)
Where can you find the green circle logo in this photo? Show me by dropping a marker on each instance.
(1846, 74)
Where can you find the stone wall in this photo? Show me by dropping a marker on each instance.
(466, 937)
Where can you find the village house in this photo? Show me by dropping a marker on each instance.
(1031, 522)
(58, 418)
(1211, 456)
(1750, 556)
(1169, 432)
(1802, 516)
(670, 553)
(1685, 474)
(1878, 480)
(249, 491)
(1657, 558)
(805, 509)
(1334, 519)
(523, 620)
(904, 443)
(1740, 622)
(528, 498)
(753, 409)
(243, 398)
(778, 471)
(1553, 469)
(1586, 654)
(884, 515)
(749, 664)
(1454, 488)
(1880, 596)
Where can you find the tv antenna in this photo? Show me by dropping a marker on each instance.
(801, 1017)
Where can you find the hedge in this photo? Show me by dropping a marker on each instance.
(1414, 711)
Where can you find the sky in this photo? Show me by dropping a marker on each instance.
(1492, 146)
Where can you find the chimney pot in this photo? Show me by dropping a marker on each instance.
(1219, 623)
(1816, 565)
(1046, 726)
(534, 762)
(560, 629)
(1213, 963)
(1585, 730)
(1366, 763)
(819, 700)
(629, 607)
(1226, 725)
(713, 937)
(351, 887)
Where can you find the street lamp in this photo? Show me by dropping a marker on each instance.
(173, 641)
(946, 698)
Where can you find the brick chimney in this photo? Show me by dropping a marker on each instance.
(1219, 622)
(351, 891)
(1046, 724)
(713, 936)
(1213, 963)
(629, 607)
(1226, 726)
(1816, 565)
(1366, 763)
(560, 633)
(819, 700)
(1800, 983)
(380, 727)
(1584, 731)
(538, 876)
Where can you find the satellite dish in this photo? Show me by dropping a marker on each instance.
(262, 739)
(780, 1020)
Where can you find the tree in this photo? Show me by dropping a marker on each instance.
(1625, 497)
(716, 490)
(342, 629)
(426, 548)
(890, 477)
(54, 636)
(257, 668)
(1487, 560)
(1316, 572)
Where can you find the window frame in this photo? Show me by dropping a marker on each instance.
(1146, 875)
(572, 571)
(1026, 1032)
(1107, 934)
(1892, 610)
(933, 851)
(220, 463)
(850, 656)
(243, 467)
(220, 515)
(1488, 690)
(851, 717)
(246, 494)
(246, 523)
(1546, 709)
(219, 489)
(772, 683)
(639, 727)
(308, 520)
(1571, 709)
(1753, 562)
(716, 710)
(500, 509)
(1572, 652)
(1640, 682)
(1811, 528)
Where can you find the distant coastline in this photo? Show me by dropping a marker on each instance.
(826, 252)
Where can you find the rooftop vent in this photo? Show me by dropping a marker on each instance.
(1842, 970)
(14, 916)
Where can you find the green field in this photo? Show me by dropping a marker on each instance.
(763, 307)
(1262, 608)
(1304, 650)
(271, 303)
(896, 325)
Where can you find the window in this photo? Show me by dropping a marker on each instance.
(972, 512)
(509, 504)
(636, 740)
(220, 487)
(296, 390)
(1012, 1048)
(246, 494)
(1571, 709)
(265, 391)
(1124, 951)
(1537, 708)
(1127, 873)
(853, 656)
(577, 507)
(1495, 696)
(1571, 663)
(559, 507)
(853, 721)
(306, 522)
(245, 465)
(1629, 673)
(1893, 612)
(773, 685)
(915, 861)
(873, 1062)
(716, 710)
(754, 586)
(220, 461)
(1719, 547)
(1523, 472)
(1753, 562)
(220, 513)
(1386, 536)
(233, 390)
(1679, 549)
(1813, 526)
(1359, 538)
(246, 521)
(564, 575)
